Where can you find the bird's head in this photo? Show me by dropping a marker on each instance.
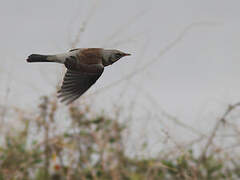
(110, 56)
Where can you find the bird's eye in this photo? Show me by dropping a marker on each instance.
(118, 55)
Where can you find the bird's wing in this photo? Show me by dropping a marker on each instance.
(74, 49)
(75, 83)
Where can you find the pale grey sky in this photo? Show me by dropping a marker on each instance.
(194, 81)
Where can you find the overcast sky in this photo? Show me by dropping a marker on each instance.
(194, 81)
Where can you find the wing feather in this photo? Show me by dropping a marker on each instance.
(76, 83)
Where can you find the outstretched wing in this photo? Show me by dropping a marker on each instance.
(76, 83)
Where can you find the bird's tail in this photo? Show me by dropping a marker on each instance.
(39, 58)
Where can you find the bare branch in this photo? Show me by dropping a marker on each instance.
(162, 52)
(217, 126)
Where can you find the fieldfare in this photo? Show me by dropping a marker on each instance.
(84, 67)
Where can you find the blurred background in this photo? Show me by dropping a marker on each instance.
(170, 111)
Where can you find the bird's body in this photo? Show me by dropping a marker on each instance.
(84, 67)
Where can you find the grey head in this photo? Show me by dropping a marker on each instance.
(110, 56)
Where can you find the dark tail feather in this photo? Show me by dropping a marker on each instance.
(37, 58)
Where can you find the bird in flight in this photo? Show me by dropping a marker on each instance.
(84, 67)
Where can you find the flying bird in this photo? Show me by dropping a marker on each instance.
(84, 67)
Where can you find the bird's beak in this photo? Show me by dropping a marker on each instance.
(127, 54)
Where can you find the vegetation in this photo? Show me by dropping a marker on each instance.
(93, 147)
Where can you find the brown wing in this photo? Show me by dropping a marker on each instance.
(76, 83)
